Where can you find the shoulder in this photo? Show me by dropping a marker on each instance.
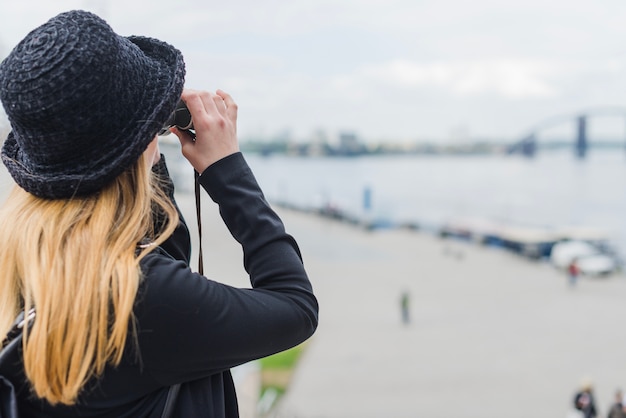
(162, 275)
(159, 267)
(167, 282)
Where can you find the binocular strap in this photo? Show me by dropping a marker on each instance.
(199, 220)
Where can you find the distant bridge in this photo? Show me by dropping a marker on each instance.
(529, 144)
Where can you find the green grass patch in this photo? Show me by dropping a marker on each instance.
(276, 372)
(284, 360)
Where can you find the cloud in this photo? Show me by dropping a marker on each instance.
(383, 67)
(511, 79)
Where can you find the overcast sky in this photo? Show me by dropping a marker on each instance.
(445, 70)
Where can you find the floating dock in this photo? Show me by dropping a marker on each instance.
(530, 241)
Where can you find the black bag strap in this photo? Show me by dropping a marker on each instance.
(8, 397)
(8, 400)
(172, 394)
(18, 326)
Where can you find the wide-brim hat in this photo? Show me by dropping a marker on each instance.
(83, 103)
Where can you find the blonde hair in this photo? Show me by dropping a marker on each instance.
(77, 262)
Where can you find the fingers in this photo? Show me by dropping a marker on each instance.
(215, 122)
(195, 102)
(226, 98)
(229, 103)
(219, 104)
(204, 105)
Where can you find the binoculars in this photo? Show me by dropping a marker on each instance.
(180, 118)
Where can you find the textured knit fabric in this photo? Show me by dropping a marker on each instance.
(83, 103)
(192, 330)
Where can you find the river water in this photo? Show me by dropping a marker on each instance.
(551, 190)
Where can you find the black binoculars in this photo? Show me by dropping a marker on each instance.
(180, 118)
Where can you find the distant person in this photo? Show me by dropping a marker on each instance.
(405, 301)
(573, 272)
(584, 401)
(617, 409)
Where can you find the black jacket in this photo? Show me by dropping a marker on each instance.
(192, 330)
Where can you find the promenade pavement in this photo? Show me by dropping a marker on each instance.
(491, 334)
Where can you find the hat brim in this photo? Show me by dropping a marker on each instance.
(164, 86)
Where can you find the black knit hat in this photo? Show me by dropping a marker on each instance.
(83, 103)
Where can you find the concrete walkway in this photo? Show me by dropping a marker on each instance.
(492, 334)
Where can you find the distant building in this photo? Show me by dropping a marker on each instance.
(349, 144)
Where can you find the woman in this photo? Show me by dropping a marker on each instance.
(92, 237)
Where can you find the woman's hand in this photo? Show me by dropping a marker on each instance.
(215, 123)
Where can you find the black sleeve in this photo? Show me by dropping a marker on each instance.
(178, 245)
(191, 327)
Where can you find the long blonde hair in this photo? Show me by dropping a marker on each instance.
(76, 261)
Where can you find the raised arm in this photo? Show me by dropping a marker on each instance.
(201, 326)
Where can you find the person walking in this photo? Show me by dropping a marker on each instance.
(92, 238)
(617, 408)
(573, 272)
(584, 401)
(405, 303)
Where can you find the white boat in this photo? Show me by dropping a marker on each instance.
(589, 259)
